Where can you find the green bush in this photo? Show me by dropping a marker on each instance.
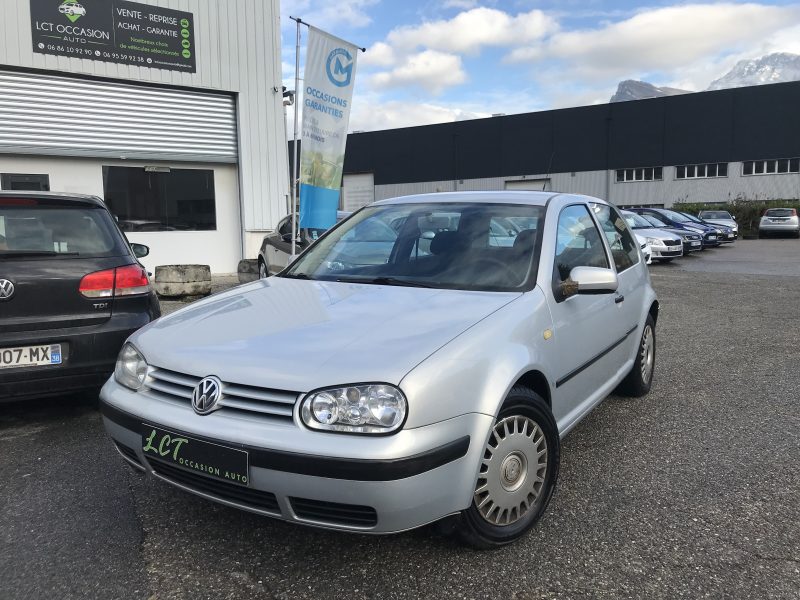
(747, 212)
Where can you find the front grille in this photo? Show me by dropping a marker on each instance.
(334, 513)
(277, 404)
(672, 242)
(128, 453)
(218, 489)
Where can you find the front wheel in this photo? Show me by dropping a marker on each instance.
(517, 475)
(262, 270)
(637, 383)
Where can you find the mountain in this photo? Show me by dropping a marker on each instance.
(639, 90)
(772, 68)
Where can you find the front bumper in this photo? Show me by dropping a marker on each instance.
(370, 484)
(692, 246)
(666, 251)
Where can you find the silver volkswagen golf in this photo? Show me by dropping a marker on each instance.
(382, 382)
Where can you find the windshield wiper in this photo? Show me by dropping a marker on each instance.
(395, 281)
(296, 276)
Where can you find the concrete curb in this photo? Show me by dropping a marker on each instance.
(176, 281)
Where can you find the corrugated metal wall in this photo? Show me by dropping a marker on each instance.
(62, 116)
(595, 183)
(237, 44)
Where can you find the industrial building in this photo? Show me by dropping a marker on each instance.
(170, 110)
(718, 146)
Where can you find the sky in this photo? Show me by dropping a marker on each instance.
(433, 61)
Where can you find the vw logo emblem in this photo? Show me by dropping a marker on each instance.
(6, 289)
(206, 395)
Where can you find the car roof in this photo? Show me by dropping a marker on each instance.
(76, 198)
(497, 197)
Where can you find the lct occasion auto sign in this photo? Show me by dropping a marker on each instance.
(117, 31)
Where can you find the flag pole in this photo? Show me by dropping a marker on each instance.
(295, 167)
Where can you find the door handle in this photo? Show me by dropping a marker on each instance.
(619, 299)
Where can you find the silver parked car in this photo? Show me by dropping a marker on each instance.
(664, 246)
(779, 220)
(378, 396)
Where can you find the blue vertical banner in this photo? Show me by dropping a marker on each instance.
(327, 94)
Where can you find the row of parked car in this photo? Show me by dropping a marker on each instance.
(668, 234)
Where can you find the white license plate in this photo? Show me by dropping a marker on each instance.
(30, 356)
(695, 243)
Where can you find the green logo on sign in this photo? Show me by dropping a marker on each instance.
(184, 23)
(184, 33)
(72, 10)
(186, 54)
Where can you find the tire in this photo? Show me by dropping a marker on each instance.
(637, 383)
(263, 272)
(510, 490)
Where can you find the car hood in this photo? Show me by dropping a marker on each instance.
(299, 335)
(725, 222)
(656, 233)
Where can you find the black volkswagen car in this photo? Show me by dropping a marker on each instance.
(71, 292)
(676, 220)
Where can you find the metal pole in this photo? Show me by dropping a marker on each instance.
(295, 166)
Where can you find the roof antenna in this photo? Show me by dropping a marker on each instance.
(549, 168)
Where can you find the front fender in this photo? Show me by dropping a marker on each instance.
(474, 372)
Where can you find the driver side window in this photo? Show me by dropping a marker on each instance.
(578, 243)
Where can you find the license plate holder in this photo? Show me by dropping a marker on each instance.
(40, 355)
(212, 460)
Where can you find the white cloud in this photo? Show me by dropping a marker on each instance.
(659, 40)
(378, 55)
(432, 70)
(328, 15)
(471, 30)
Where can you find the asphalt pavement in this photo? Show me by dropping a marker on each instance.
(690, 492)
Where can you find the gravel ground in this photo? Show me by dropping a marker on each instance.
(689, 492)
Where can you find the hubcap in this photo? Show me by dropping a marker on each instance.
(262, 270)
(647, 354)
(513, 471)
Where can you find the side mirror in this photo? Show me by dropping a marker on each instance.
(287, 237)
(589, 280)
(428, 235)
(140, 250)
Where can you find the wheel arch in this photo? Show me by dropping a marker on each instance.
(537, 381)
(653, 311)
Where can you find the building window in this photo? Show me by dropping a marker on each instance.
(161, 199)
(701, 171)
(778, 166)
(21, 181)
(641, 174)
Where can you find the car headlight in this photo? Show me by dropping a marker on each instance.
(654, 241)
(131, 368)
(371, 408)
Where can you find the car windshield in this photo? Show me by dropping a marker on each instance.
(470, 246)
(655, 221)
(716, 214)
(780, 212)
(29, 229)
(692, 218)
(635, 221)
(676, 216)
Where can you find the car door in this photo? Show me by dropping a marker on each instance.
(278, 250)
(586, 327)
(631, 271)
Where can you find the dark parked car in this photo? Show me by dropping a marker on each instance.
(726, 234)
(276, 247)
(71, 292)
(676, 220)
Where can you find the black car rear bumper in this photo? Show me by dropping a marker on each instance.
(89, 354)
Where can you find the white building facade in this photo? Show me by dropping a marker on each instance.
(171, 111)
